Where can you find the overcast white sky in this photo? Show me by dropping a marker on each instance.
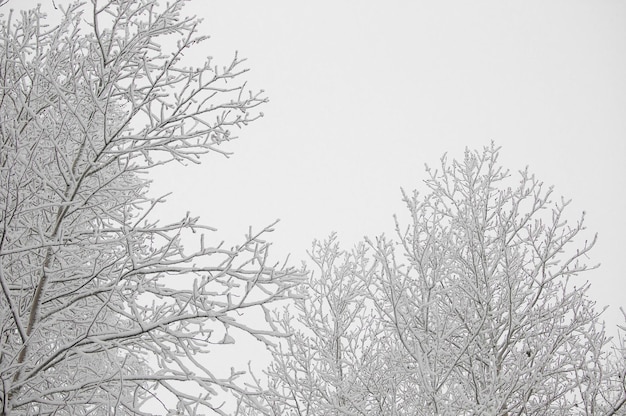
(363, 93)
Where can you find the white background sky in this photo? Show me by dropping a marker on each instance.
(363, 93)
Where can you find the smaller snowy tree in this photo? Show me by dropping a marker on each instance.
(478, 308)
(331, 364)
(103, 309)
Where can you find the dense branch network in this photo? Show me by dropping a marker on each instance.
(477, 307)
(95, 291)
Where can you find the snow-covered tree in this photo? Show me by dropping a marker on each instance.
(480, 308)
(102, 310)
(332, 363)
(484, 293)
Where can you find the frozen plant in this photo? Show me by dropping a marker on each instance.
(478, 307)
(102, 309)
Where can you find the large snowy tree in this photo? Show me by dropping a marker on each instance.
(102, 310)
(478, 307)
